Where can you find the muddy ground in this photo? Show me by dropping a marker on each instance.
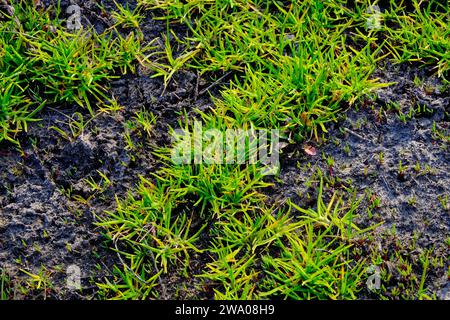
(42, 225)
(410, 201)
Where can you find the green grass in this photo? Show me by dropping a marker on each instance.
(293, 65)
(294, 70)
(256, 252)
(42, 63)
(422, 34)
(5, 290)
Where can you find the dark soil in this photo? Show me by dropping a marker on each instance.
(410, 200)
(42, 223)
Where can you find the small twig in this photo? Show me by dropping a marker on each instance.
(214, 83)
(417, 182)
(356, 134)
(125, 265)
(386, 183)
(103, 19)
(278, 203)
(196, 86)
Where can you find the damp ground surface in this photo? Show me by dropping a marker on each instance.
(394, 159)
(364, 153)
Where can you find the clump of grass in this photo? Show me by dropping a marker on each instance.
(5, 285)
(17, 110)
(38, 282)
(421, 34)
(126, 18)
(313, 266)
(409, 31)
(294, 81)
(292, 67)
(256, 251)
(296, 70)
(43, 63)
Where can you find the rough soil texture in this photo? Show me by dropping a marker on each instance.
(40, 222)
(42, 225)
(409, 200)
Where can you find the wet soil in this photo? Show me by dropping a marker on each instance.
(362, 157)
(43, 223)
